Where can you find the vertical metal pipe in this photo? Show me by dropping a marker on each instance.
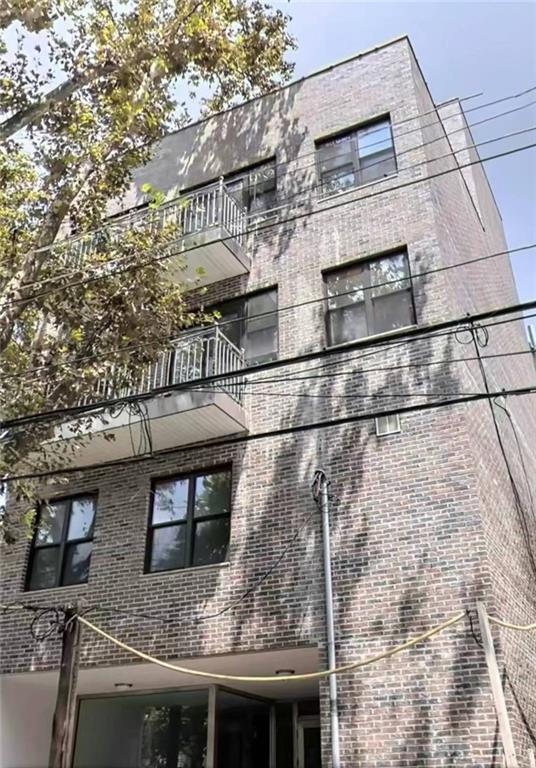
(330, 623)
(272, 755)
(212, 726)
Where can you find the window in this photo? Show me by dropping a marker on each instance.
(356, 157)
(166, 729)
(189, 521)
(250, 322)
(63, 541)
(387, 425)
(176, 729)
(368, 298)
(254, 188)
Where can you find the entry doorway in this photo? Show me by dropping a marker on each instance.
(309, 750)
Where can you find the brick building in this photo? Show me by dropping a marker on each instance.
(325, 201)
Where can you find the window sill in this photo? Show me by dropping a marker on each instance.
(62, 587)
(356, 188)
(191, 569)
(385, 335)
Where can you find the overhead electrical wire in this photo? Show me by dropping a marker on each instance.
(322, 208)
(279, 310)
(262, 225)
(407, 119)
(297, 378)
(280, 432)
(395, 344)
(231, 604)
(428, 142)
(351, 396)
(437, 122)
(451, 154)
(480, 338)
(519, 449)
(113, 223)
(391, 342)
(412, 333)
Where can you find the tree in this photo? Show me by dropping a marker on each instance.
(88, 90)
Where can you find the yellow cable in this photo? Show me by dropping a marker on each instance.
(277, 678)
(522, 627)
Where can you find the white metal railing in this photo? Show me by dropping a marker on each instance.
(212, 206)
(192, 356)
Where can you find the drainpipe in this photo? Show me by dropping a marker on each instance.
(320, 492)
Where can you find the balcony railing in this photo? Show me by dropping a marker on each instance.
(208, 208)
(193, 356)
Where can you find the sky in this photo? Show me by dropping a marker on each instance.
(463, 48)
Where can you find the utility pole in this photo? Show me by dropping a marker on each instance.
(321, 495)
(64, 713)
(505, 731)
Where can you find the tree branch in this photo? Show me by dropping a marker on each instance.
(38, 109)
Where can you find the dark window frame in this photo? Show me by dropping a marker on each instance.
(351, 133)
(250, 190)
(367, 297)
(63, 543)
(191, 520)
(244, 319)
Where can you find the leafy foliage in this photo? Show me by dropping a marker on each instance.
(87, 90)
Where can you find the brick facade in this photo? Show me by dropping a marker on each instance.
(424, 522)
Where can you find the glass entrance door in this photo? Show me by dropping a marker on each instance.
(309, 752)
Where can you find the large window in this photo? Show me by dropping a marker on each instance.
(176, 729)
(145, 730)
(61, 550)
(356, 157)
(250, 322)
(369, 297)
(254, 188)
(189, 520)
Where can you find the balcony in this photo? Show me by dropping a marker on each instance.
(211, 226)
(166, 419)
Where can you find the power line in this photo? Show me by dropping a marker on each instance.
(281, 432)
(199, 619)
(289, 199)
(438, 121)
(452, 153)
(410, 118)
(280, 310)
(409, 150)
(519, 450)
(352, 396)
(349, 396)
(407, 335)
(381, 368)
(395, 345)
(481, 341)
(268, 225)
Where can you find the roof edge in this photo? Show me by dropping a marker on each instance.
(314, 73)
